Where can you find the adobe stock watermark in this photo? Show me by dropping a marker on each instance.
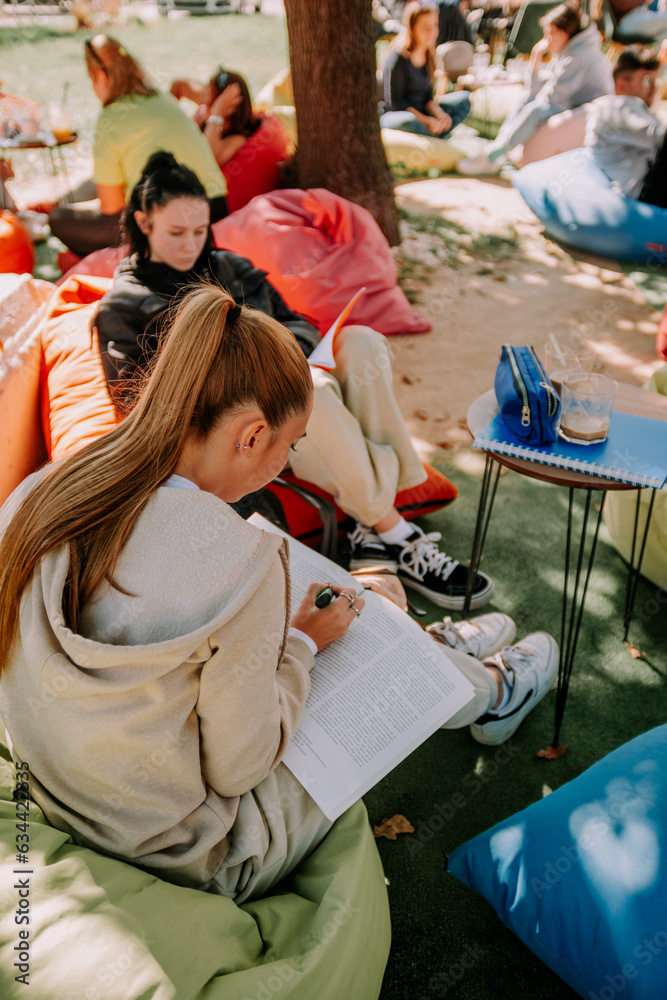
(649, 947)
(619, 802)
(474, 782)
(446, 980)
(278, 982)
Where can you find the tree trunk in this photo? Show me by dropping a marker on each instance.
(332, 57)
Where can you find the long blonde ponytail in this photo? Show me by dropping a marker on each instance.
(210, 364)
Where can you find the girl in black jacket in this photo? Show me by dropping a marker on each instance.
(357, 447)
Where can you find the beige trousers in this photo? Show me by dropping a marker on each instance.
(278, 824)
(357, 446)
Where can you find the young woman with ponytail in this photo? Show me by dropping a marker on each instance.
(150, 675)
(153, 672)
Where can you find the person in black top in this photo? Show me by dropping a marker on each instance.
(408, 75)
(357, 448)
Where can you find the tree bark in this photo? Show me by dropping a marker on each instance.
(332, 57)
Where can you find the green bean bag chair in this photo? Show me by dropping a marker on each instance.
(76, 925)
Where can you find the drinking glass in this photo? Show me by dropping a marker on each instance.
(567, 358)
(60, 121)
(587, 401)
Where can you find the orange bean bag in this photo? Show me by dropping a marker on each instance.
(661, 336)
(560, 133)
(75, 404)
(304, 522)
(16, 251)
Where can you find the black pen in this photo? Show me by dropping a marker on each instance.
(325, 597)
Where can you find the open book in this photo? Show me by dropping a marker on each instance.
(375, 696)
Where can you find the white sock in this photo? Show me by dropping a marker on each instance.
(398, 533)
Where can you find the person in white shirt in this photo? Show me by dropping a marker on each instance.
(578, 73)
(624, 136)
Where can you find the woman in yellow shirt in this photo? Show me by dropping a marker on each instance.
(136, 121)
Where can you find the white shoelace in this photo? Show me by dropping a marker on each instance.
(363, 535)
(516, 658)
(457, 635)
(423, 556)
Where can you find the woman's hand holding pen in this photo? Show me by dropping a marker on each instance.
(325, 625)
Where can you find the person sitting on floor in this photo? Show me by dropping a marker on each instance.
(408, 76)
(249, 148)
(148, 614)
(135, 121)
(579, 73)
(626, 139)
(358, 448)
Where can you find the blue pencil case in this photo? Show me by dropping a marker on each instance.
(528, 402)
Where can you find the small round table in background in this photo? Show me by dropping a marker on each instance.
(43, 140)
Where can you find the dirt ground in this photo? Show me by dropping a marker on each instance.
(518, 293)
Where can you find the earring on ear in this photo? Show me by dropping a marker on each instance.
(238, 445)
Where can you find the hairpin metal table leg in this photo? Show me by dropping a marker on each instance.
(571, 616)
(484, 510)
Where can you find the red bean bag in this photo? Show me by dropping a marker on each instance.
(661, 336)
(99, 263)
(304, 522)
(255, 169)
(318, 249)
(16, 250)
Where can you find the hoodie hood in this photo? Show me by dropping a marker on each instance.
(175, 591)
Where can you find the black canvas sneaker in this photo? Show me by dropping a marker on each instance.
(424, 568)
(368, 550)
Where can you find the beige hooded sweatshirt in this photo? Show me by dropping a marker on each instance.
(143, 730)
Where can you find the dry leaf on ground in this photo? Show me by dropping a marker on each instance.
(390, 828)
(635, 653)
(552, 753)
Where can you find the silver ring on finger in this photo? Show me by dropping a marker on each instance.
(350, 597)
(355, 609)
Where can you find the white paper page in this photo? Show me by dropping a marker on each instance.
(376, 694)
(322, 356)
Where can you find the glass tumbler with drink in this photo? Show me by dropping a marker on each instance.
(61, 122)
(587, 401)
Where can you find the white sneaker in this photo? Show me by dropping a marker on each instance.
(481, 637)
(479, 165)
(530, 668)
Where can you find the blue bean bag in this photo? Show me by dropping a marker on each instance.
(575, 201)
(580, 876)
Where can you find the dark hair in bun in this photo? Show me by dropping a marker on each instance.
(162, 179)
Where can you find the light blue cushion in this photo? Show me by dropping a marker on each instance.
(574, 200)
(581, 876)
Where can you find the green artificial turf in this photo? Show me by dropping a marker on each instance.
(452, 788)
